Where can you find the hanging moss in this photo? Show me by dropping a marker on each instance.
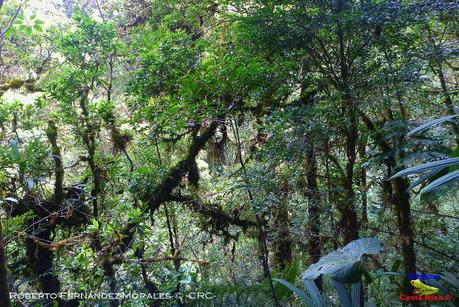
(162, 192)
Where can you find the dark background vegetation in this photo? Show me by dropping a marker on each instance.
(220, 146)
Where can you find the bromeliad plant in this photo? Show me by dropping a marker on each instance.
(345, 268)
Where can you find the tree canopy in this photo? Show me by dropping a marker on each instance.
(229, 153)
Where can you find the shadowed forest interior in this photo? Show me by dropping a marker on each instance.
(229, 153)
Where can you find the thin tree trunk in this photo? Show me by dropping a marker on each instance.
(40, 258)
(51, 133)
(437, 68)
(334, 231)
(349, 218)
(396, 195)
(349, 215)
(41, 261)
(174, 242)
(447, 100)
(89, 138)
(363, 184)
(314, 244)
(283, 254)
(261, 232)
(4, 289)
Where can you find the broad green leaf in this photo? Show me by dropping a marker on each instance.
(344, 264)
(380, 274)
(38, 28)
(28, 30)
(15, 149)
(186, 279)
(451, 279)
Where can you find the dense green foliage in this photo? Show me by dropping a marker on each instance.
(255, 152)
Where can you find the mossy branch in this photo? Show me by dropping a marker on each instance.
(162, 192)
(51, 133)
(214, 212)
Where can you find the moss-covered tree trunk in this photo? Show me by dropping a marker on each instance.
(363, 184)
(396, 196)
(348, 213)
(399, 199)
(283, 254)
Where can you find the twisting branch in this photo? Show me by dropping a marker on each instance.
(159, 259)
(213, 211)
(10, 23)
(72, 241)
(162, 192)
(100, 11)
(155, 197)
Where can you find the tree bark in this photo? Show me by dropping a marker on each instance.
(312, 191)
(447, 100)
(162, 192)
(89, 138)
(283, 254)
(313, 231)
(396, 195)
(261, 232)
(363, 184)
(41, 260)
(349, 220)
(348, 213)
(51, 133)
(4, 289)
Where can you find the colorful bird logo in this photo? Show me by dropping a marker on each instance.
(423, 289)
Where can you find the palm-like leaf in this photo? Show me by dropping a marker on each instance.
(425, 177)
(306, 300)
(432, 123)
(432, 168)
(453, 176)
(438, 165)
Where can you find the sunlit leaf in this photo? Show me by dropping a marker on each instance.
(38, 28)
